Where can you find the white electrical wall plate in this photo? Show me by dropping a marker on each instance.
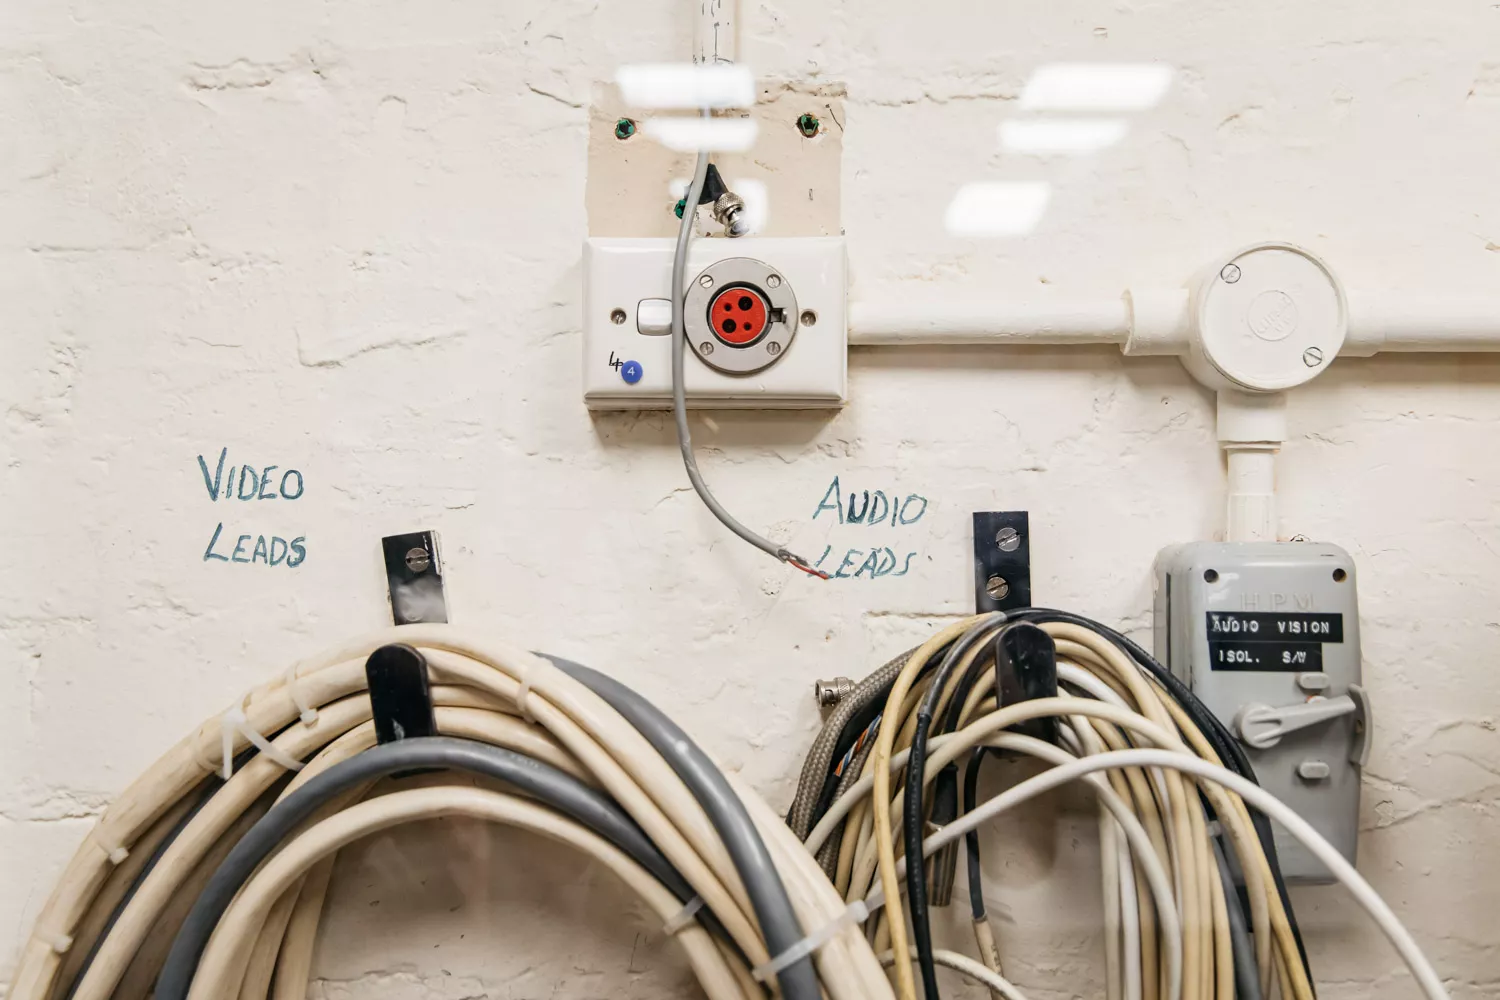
(1266, 634)
(791, 290)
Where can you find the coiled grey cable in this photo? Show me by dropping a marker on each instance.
(567, 794)
(773, 908)
(679, 391)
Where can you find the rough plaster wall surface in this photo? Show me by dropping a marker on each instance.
(345, 238)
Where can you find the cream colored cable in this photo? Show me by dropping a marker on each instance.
(1211, 775)
(906, 984)
(585, 736)
(944, 750)
(997, 984)
(221, 963)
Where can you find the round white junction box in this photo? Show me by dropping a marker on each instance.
(1268, 318)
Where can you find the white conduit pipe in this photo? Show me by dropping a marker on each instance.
(1048, 319)
(1156, 321)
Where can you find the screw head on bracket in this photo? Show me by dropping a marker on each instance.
(997, 587)
(1008, 539)
(417, 560)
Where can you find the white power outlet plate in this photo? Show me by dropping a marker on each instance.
(619, 274)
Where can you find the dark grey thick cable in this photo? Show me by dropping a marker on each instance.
(1246, 977)
(553, 787)
(773, 908)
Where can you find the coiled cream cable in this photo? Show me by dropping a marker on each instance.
(483, 690)
(1181, 946)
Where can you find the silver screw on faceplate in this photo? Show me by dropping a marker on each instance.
(417, 560)
(830, 693)
(1009, 539)
(997, 587)
(705, 348)
(1230, 273)
(1312, 357)
(773, 348)
(774, 281)
(707, 281)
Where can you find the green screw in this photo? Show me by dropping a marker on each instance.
(680, 207)
(808, 125)
(624, 128)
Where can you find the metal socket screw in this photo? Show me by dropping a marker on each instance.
(773, 348)
(1009, 539)
(705, 348)
(617, 317)
(707, 281)
(774, 281)
(1230, 273)
(729, 212)
(830, 693)
(417, 560)
(808, 317)
(808, 124)
(1312, 357)
(997, 587)
(624, 128)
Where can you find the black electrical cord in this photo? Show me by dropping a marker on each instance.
(546, 783)
(912, 811)
(971, 839)
(768, 896)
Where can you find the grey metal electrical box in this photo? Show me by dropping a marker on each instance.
(1266, 634)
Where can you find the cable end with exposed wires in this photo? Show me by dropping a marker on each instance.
(679, 391)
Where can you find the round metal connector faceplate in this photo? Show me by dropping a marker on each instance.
(772, 287)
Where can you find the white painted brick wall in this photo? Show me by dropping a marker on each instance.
(344, 237)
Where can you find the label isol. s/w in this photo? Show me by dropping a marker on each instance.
(1269, 640)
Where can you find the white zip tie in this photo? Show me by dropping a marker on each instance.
(114, 852)
(234, 721)
(307, 712)
(855, 913)
(56, 940)
(682, 917)
(523, 701)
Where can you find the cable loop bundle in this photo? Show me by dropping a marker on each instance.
(206, 879)
(893, 776)
(243, 818)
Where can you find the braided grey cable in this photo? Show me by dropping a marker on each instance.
(820, 755)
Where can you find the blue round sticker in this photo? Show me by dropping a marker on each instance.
(631, 372)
